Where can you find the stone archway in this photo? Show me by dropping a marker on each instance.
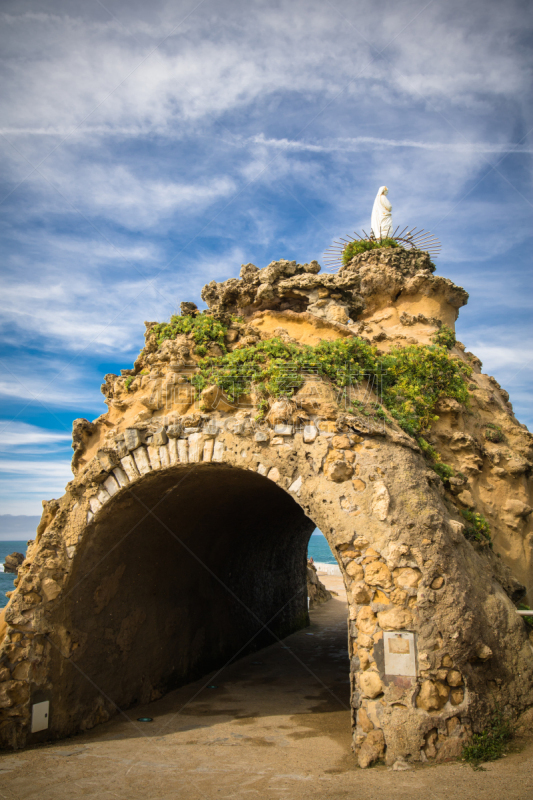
(434, 638)
(401, 555)
(184, 569)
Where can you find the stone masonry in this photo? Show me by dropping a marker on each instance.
(394, 527)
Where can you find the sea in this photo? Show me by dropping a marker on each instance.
(318, 549)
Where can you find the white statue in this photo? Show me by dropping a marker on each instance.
(381, 223)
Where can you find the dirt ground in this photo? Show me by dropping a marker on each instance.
(275, 724)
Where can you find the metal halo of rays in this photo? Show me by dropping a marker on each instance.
(410, 238)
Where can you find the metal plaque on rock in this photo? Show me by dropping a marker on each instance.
(400, 653)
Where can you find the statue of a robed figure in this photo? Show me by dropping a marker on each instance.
(381, 222)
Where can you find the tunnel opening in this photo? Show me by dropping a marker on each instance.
(193, 568)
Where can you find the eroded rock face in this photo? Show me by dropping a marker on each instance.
(316, 591)
(368, 283)
(13, 562)
(394, 526)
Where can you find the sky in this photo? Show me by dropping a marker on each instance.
(149, 148)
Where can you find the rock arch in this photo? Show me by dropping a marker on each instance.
(412, 578)
(402, 557)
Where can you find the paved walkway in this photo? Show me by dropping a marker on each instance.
(276, 724)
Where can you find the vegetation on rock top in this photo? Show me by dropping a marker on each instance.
(413, 379)
(278, 369)
(204, 328)
(363, 245)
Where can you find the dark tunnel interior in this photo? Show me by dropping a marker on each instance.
(192, 567)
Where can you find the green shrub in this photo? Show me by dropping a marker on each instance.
(494, 433)
(478, 529)
(204, 328)
(276, 368)
(127, 383)
(444, 337)
(444, 471)
(415, 378)
(363, 245)
(491, 743)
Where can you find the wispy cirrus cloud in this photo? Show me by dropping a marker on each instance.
(21, 435)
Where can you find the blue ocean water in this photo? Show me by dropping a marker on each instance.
(318, 549)
(7, 578)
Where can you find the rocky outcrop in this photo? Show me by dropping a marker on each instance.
(434, 637)
(13, 562)
(371, 281)
(316, 591)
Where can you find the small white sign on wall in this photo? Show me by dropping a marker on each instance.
(40, 713)
(400, 654)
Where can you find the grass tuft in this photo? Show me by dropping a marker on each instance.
(490, 744)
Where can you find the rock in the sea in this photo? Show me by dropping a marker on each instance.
(13, 562)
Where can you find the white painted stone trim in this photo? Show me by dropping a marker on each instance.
(173, 451)
(310, 434)
(283, 430)
(182, 450)
(208, 450)
(164, 457)
(121, 477)
(129, 467)
(218, 452)
(141, 460)
(297, 485)
(153, 454)
(195, 447)
(111, 485)
(95, 504)
(103, 496)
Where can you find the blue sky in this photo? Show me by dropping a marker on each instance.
(151, 148)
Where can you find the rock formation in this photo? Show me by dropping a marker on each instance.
(316, 591)
(181, 539)
(13, 562)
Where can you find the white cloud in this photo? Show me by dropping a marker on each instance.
(253, 128)
(359, 143)
(50, 385)
(15, 434)
(52, 470)
(96, 313)
(25, 484)
(117, 194)
(229, 56)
